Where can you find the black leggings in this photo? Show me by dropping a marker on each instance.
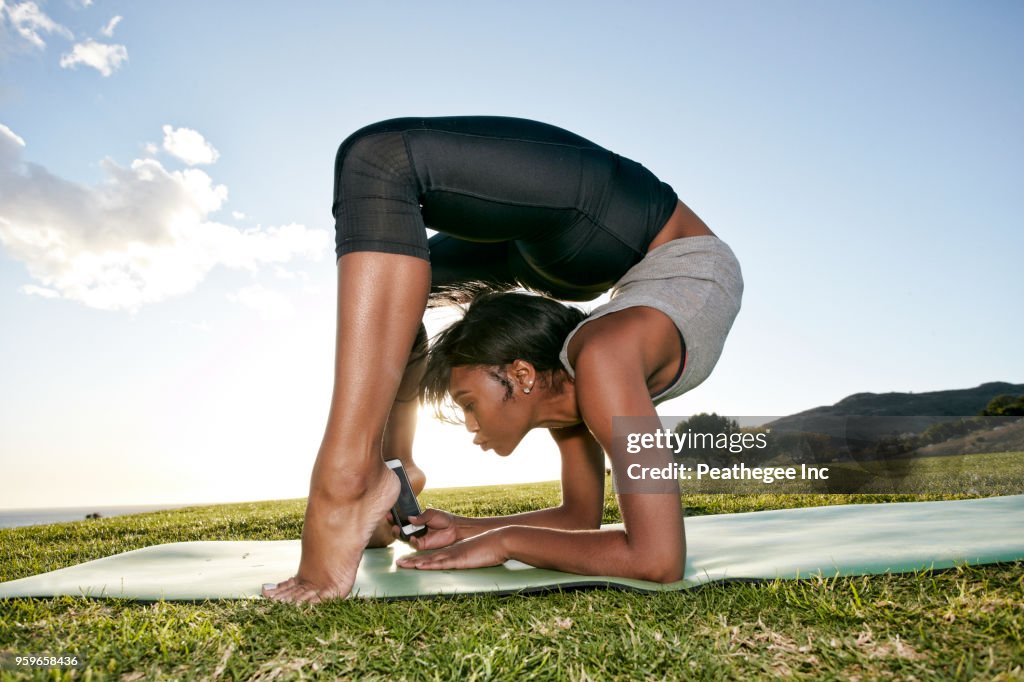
(514, 202)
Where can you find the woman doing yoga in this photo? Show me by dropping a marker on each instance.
(515, 203)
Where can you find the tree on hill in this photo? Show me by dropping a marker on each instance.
(704, 423)
(1005, 406)
(708, 423)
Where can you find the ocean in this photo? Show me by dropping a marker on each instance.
(17, 518)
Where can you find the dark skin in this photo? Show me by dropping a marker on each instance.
(351, 490)
(620, 360)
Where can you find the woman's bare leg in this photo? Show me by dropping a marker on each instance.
(401, 430)
(381, 300)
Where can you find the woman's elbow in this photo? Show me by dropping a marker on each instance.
(668, 570)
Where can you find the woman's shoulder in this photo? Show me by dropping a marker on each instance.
(634, 335)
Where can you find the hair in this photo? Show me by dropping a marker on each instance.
(497, 328)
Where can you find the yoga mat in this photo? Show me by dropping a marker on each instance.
(852, 539)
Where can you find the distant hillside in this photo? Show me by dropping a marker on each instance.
(884, 425)
(1006, 436)
(922, 409)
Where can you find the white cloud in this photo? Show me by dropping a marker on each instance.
(33, 290)
(29, 21)
(283, 273)
(108, 30)
(238, 215)
(189, 146)
(9, 141)
(139, 237)
(307, 288)
(203, 326)
(270, 304)
(103, 57)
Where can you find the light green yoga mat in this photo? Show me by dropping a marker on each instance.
(790, 543)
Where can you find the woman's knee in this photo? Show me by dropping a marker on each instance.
(370, 156)
(376, 200)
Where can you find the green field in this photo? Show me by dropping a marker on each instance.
(958, 624)
(934, 477)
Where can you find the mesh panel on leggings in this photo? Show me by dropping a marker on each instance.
(376, 196)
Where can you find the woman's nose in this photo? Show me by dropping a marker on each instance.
(471, 424)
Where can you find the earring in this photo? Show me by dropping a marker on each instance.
(526, 390)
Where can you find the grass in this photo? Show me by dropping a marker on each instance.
(963, 623)
(937, 476)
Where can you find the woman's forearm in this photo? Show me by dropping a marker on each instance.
(556, 517)
(589, 552)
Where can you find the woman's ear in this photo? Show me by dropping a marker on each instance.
(523, 376)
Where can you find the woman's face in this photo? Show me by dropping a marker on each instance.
(496, 423)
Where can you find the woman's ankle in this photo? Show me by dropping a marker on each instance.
(346, 486)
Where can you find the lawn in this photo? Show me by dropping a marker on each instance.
(957, 624)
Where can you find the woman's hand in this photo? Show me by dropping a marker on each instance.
(485, 549)
(441, 529)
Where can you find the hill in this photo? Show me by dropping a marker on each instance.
(884, 426)
(920, 410)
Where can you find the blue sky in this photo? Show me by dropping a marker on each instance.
(166, 266)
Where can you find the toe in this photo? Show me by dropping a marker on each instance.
(307, 596)
(287, 594)
(272, 589)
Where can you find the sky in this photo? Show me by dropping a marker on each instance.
(167, 275)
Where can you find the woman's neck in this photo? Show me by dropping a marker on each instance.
(557, 408)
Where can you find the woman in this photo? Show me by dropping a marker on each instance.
(515, 202)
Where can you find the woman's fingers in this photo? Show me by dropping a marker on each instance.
(412, 560)
(432, 518)
(430, 559)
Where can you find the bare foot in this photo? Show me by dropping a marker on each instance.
(382, 536)
(417, 479)
(334, 534)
